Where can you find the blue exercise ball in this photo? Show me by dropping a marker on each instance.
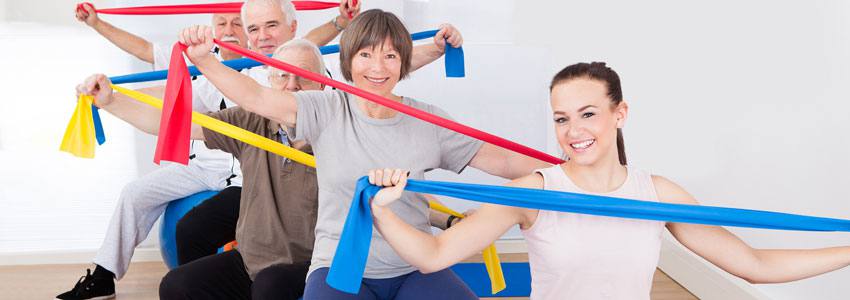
(168, 227)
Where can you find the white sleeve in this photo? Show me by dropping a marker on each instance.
(161, 56)
(205, 97)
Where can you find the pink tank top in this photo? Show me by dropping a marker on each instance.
(577, 256)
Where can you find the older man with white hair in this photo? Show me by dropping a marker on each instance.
(277, 213)
(142, 201)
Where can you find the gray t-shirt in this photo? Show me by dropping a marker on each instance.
(347, 144)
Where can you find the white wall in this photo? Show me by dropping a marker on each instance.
(742, 103)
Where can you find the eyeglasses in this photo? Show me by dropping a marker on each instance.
(282, 78)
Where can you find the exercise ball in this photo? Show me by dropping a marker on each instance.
(168, 227)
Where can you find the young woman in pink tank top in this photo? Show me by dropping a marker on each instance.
(574, 256)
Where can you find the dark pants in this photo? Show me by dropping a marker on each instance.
(223, 276)
(412, 286)
(208, 226)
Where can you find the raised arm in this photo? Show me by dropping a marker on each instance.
(428, 53)
(430, 253)
(328, 31)
(142, 116)
(733, 255)
(275, 105)
(504, 163)
(130, 43)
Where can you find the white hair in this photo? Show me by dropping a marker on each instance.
(304, 45)
(285, 6)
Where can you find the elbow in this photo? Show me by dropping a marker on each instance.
(751, 279)
(755, 279)
(154, 131)
(430, 268)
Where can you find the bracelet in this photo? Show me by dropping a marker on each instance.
(449, 221)
(336, 25)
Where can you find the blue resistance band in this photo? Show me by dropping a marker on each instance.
(346, 272)
(98, 126)
(453, 59)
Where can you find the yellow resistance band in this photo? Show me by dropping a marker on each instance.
(491, 258)
(79, 138)
(231, 131)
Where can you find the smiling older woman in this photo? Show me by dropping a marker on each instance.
(350, 136)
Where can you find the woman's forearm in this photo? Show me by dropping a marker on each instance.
(418, 248)
(779, 265)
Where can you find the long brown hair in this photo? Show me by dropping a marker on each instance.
(597, 71)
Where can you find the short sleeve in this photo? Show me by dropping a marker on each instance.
(239, 118)
(315, 110)
(205, 97)
(456, 150)
(161, 56)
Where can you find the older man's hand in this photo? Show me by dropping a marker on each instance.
(86, 13)
(348, 10)
(199, 39)
(99, 86)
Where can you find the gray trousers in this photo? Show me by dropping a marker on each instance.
(143, 201)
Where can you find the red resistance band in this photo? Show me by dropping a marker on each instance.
(213, 8)
(413, 112)
(175, 124)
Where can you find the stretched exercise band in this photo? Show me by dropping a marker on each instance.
(211, 8)
(349, 262)
(413, 112)
(491, 258)
(229, 130)
(453, 60)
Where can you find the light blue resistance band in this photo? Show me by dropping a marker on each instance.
(346, 272)
(453, 59)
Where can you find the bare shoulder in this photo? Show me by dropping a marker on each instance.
(530, 181)
(527, 216)
(671, 192)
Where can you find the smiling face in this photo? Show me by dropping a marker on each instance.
(228, 29)
(266, 25)
(375, 52)
(376, 69)
(586, 121)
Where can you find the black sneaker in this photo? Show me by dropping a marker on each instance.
(90, 287)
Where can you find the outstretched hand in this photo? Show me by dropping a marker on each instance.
(99, 86)
(199, 39)
(450, 34)
(86, 13)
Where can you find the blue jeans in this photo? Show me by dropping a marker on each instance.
(439, 285)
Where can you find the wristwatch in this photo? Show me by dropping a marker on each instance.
(449, 221)
(336, 25)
